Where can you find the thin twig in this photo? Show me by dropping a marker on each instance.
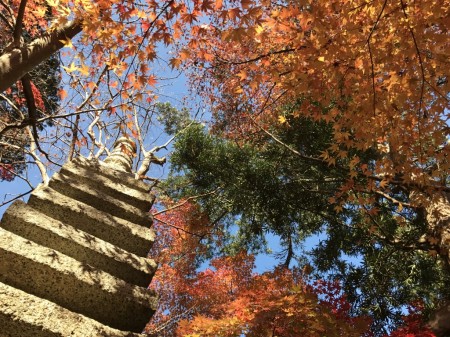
(15, 198)
(180, 229)
(371, 56)
(185, 202)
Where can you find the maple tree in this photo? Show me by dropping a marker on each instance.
(377, 67)
(228, 298)
(260, 189)
(374, 71)
(413, 326)
(107, 76)
(44, 81)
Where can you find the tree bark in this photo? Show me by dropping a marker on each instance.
(15, 63)
(438, 220)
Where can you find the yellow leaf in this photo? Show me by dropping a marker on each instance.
(71, 68)
(242, 74)
(175, 62)
(358, 63)
(321, 59)
(281, 119)
(53, 3)
(67, 43)
(259, 29)
(84, 70)
(383, 183)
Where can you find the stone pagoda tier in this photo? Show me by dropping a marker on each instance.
(73, 260)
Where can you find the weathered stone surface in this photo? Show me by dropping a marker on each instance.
(89, 175)
(89, 194)
(25, 221)
(105, 170)
(121, 157)
(76, 286)
(25, 315)
(119, 232)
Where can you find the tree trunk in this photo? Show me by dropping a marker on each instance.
(17, 62)
(438, 219)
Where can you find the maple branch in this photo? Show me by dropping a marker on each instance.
(21, 124)
(186, 201)
(17, 35)
(17, 175)
(149, 156)
(393, 200)
(371, 55)
(90, 132)
(32, 152)
(8, 8)
(5, 19)
(16, 63)
(31, 103)
(422, 87)
(32, 114)
(74, 138)
(437, 91)
(144, 36)
(15, 198)
(289, 50)
(86, 100)
(172, 320)
(76, 113)
(180, 229)
(317, 160)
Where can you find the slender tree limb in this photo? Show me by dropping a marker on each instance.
(393, 200)
(173, 320)
(6, 21)
(422, 71)
(185, 202)
(294, 151)
(74, 138)
(17, 35)
(374, 102)
(181, 229)
(39, 163)
(15, 198)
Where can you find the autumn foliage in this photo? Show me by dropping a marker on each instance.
(227, 298)
(413, 325)
(376, 72)
(376, 69)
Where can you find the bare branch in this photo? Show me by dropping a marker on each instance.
(371, 55)
(15, 198)
(185, 202)
(180, 229)
(17, 35)
(74, 138)
(32, 152)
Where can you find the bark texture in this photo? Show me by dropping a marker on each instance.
(438, 219)
(15, 63)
